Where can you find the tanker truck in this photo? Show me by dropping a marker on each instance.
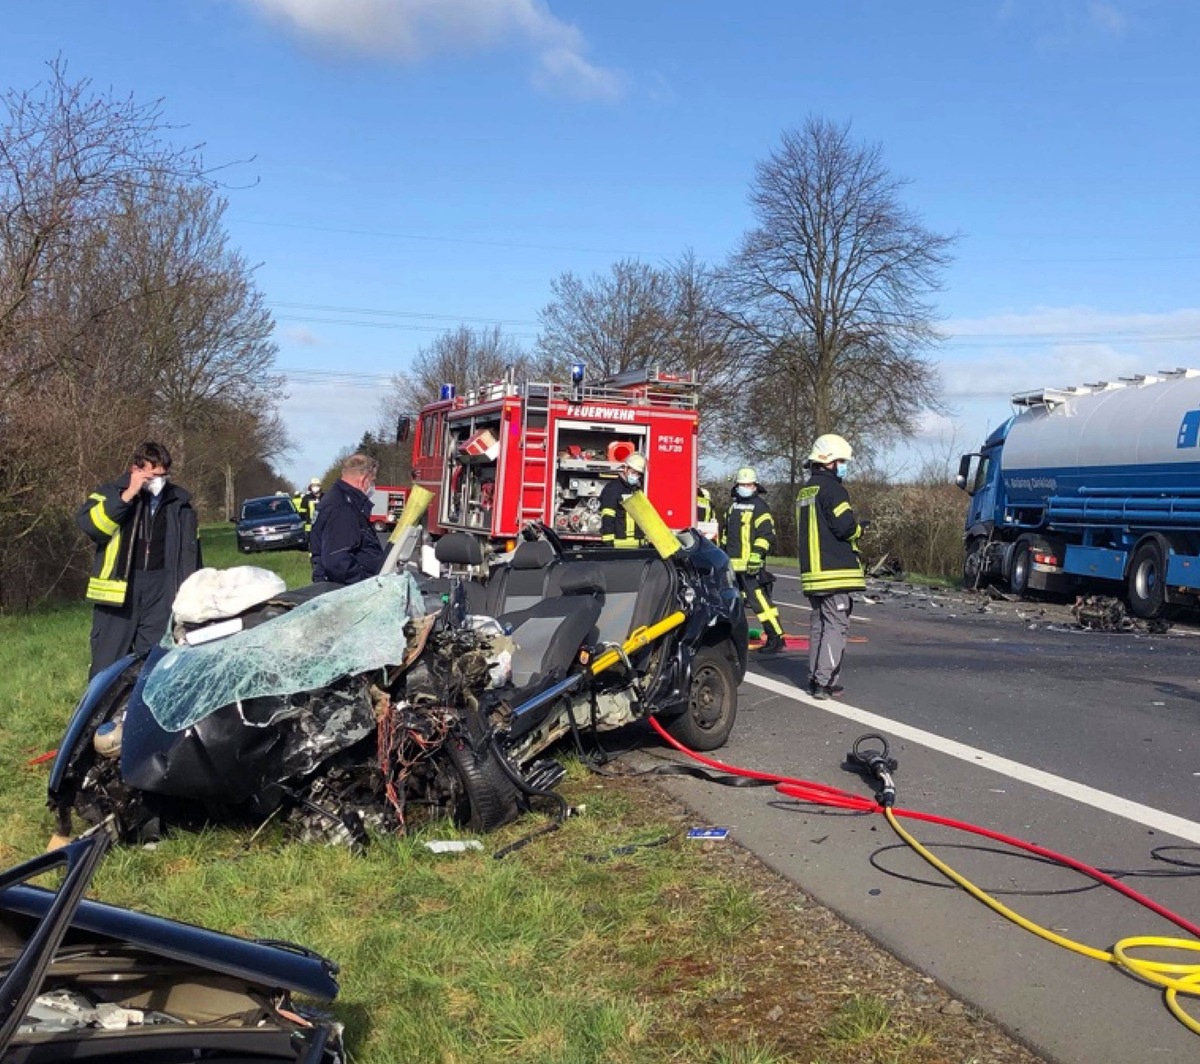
(1093, 488)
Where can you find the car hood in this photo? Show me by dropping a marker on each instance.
(64, 914)
(250, 524)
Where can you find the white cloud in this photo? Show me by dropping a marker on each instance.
(1107, 17)
(302, 336)
(412, 30)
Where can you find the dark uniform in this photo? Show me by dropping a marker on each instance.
(617, 528)
(749, 538)
(344, 545)
(830, 570)
(144, 550)
(306, 504)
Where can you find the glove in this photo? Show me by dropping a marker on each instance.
(754, 562)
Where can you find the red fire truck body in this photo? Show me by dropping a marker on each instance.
(387, 505)
(519, 452)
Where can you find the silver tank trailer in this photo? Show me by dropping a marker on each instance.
(1142, 433)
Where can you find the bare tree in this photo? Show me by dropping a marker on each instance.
(830, 294)
(467, 358)
(611, 322)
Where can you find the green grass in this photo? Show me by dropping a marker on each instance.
(564, 952)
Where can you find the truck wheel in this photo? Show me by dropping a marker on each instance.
(708, 719)
(973, 559)
(1018, 577)
(1147, 592)
(486, 798)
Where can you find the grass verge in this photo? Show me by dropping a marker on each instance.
(613, 939)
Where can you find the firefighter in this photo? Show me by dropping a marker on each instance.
(147, 543)
(617, 528)
(706, 516)
(307, 504)
(749, 538)
(830, 568)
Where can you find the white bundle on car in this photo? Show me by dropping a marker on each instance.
(212, 594)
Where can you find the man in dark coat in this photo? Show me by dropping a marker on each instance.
(344, 545)
(147, 543)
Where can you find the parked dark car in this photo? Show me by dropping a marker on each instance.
(82, 980)
(270, 523)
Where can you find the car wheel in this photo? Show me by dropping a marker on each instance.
(708, 718)
(485, 798)
(1146, 590)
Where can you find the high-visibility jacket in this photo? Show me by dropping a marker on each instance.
(704, 508)
(749, 529)
(828, 533)
(617, 528)
(112, 523)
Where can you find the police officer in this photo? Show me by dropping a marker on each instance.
(830, 568)
(617, 528)
(749, 538)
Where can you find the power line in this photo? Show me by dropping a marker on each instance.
(402, 314)
(385, 235)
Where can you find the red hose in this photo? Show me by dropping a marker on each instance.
(823, 794)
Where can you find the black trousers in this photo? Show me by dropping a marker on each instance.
(137, 625)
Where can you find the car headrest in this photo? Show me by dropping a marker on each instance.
(532, 554)
(580, 578)
(459, 548)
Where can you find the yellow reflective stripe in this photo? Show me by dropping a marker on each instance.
(840, 509)
(100, 519)
(111, 554)
(763, 608)
(831, 578)
(761, 518)
(745, 534)
(110, 592)
(761, 544)
(608, 511)
(814, 540)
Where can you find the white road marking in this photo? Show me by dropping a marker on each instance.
(804, 606)
(1079, 792)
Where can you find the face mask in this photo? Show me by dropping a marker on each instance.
(633, 480)
(745, 491)
(155, 485)
(369, 489)
(840, 469)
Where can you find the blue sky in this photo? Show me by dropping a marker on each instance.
(408, 165)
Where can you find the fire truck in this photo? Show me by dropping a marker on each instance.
(387, 505)
(514, 452)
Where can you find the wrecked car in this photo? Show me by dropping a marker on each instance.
(80, 980)
(363, 708)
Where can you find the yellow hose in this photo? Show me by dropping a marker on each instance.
(1174, 978)
(653, 527)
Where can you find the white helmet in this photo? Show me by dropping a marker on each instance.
(830, 448)
(636, 462)
(315, 482)
(746, 475)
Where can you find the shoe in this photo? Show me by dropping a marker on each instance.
(773, 645)
(821, 694)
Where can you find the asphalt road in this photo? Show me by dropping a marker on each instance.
(1084, 742)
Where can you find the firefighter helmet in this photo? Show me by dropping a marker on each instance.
(830, 448)
(746, 475)
(315, 482)
(636, 462)
(705, 495)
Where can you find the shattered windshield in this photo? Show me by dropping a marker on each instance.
(344, 632)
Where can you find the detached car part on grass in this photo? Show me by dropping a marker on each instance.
(352, 710)
(81, 980)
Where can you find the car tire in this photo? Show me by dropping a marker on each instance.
(486, 798)
(711, 709)
(1147, 590)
